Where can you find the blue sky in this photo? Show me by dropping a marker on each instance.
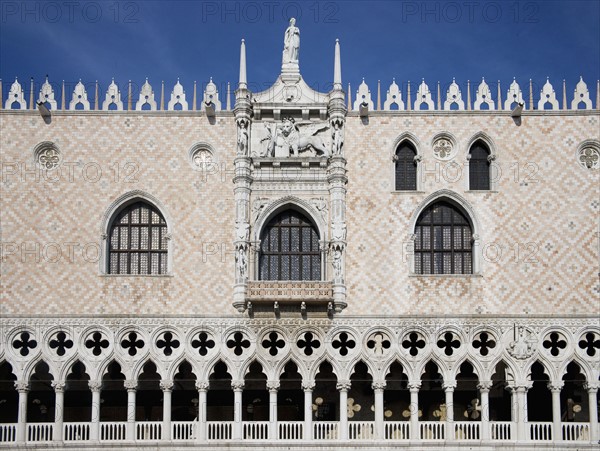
(405, 39)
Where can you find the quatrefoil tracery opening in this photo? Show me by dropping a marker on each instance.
(309, 343)
(379, 342)
(167, 343)
(448, 343)
(555, 343)
(273, 343)
(61, 343)
(96, 343)
(132, 343)
(343, 343)
(590, 344)
(414, 343)
(485, 342)
(24, 343)
(238, 343)
(203, 343)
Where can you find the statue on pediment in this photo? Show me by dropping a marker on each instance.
(290, 139)
(291, 43)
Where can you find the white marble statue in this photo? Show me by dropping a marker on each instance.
(291, 43)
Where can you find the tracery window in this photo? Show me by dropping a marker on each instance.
(479, 167)
(443, 241)
(289, 249)
(138, 241)
(406, 167)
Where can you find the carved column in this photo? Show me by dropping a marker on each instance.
(414, 387)
(95, 387)
(308, 387)
(519, 409)
(238, 387)
(555, 388)
(378, 388)
(166, 386)
(449, 387)
(59, 407)
(484, 389)
(592, 389)
(202, 387)
(273, 387)
(343, 387)
(23, 388)
(131, 387)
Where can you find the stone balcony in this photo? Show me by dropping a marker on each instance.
(309, 292)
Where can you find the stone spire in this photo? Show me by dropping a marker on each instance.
(31, 95)
(194, 106)
(564, 94)
(349, 98)
(243, 83)
(63, 101)
(439, 97)
(1, 94)
(97, 102)
(530, 94)
(228, 97)
(129, 100)
(378, 95)
(408, 105)
(337, 68)
(499, 97)
(162, 95)
(468, 95)
(598, 94)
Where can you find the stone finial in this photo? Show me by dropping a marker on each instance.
(363, 95)
(408, 101)
(468, 95)
(514, 95)
(243, 83)
(337, 68)
(129, 97)
(177, 97)
(16, 94)
(31, 94)
(394, 96)
(211, 95)
(564, 102)
(499, 100)
(162, 95)
(582, 94)
(228, 104)
(349, 98)
(79, 97)
(1, 92)
(453, 95)
(63, 97)
(113, 96)
(146, 97)
(194, 105)
(47, 95)
(424, 97)
(378, 95)
(484, 96)
(530, 94)
(96, 100)
(439, 96)
(547, 95)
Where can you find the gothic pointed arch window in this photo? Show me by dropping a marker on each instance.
(406, 167)
(479, 166)
(138, 241)
(443, 240)
(289, 248)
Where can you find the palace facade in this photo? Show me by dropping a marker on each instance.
(300, 269)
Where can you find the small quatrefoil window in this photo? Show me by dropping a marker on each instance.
(238, 343)
(413, 343)
(590, 344)
(132, 343)
(96, 343)
(24, 343)
(61, 343)
(308, 343)
(379, 342)
(344, 343)
(448, 343)
(167, 343)
(203, 343)
(484, 343)
(273, 343)
(554, 343)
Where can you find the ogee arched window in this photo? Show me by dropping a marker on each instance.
(443, 241)
(138, 241)
(289, 248)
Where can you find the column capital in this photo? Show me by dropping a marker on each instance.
(378, 385)
(343, 385)
(58, 386)
(484, 386)
(449, 385)
(519, 387)
(556, 386)
(273, 385)
(308, 385)
(591, 387)
(237, 385)
(166, 385)
(130, 384)
(22, 386)
(95, 386)
(202, 385)
(414, 386)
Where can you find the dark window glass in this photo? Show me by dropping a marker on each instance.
(443, 241)
(406, 168)
(479, 167)
(293, 249)
(137, 242)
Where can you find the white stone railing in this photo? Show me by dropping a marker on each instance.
(397, 430)
(361, 430)
(255, 430)
(432, 430)
(325, 430)
(219, 430)
(39, 432)
(467, 430)
(183, 430)
(148, 430)
(576, 432)
(75, 432)
(501, 430)
(8, 432)
(290, 430)
(540, 431)
(281, 291)
(113, 431)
